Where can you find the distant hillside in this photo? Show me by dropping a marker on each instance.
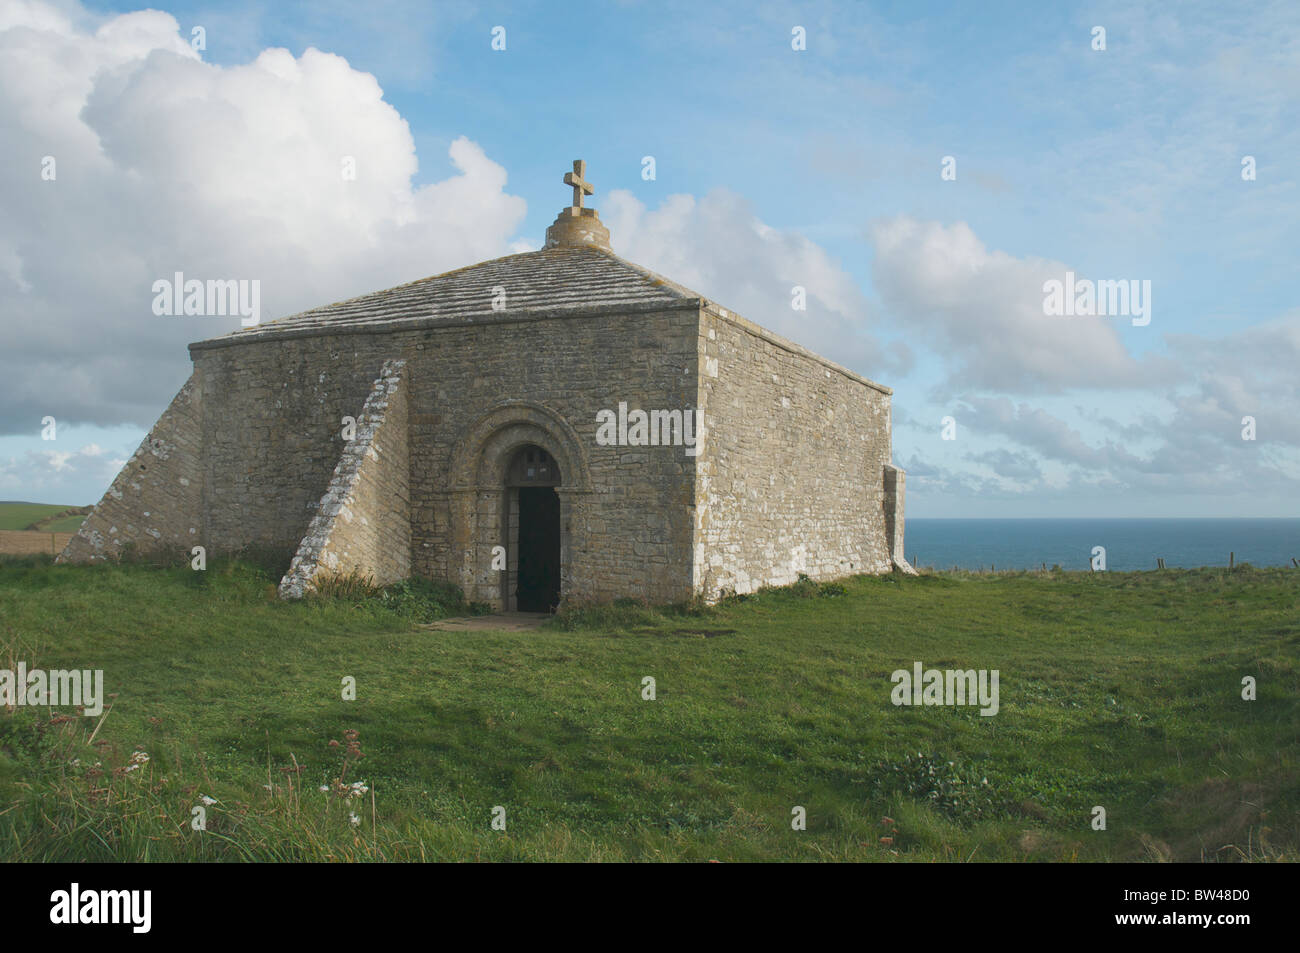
(45, 517)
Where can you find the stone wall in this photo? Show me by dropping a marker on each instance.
(790, 480)
(895, 498)
(155, 502)
(478, 393)
(363, 522)
(272, 424)
(475, 391)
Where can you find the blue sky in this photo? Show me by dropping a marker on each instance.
(1122, 163)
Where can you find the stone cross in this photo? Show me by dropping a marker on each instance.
(580, 185)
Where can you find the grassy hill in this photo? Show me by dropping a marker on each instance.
(22, 515)
(17, 516)
(1117, 690)
(68, 524)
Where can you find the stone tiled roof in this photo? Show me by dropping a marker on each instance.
(559, 280)
(550, 281)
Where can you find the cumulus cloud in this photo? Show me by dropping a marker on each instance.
(164, 163)
(1042, 432)
(1186, 455)
(1252, 373)
(982, 312)
(719, 247)
(58, 471)
(1017, 466)
(942, 482)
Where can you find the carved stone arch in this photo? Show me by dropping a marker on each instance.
(481, 509)
(485, 450)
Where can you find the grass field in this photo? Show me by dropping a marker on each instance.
(18, 516)
(1117, 690)
(68, 524)
(22, 515)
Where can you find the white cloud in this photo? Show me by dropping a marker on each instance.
(166, 163)
(1042, 432)
(57, 471)
(1018, 466)
(1250, 373)
(982, 312)
(717, 245)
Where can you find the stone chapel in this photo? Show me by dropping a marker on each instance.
(554, 426)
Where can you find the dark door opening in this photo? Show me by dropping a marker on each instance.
(539, 550)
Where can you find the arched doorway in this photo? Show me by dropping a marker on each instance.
(483, 493)
(533, 530)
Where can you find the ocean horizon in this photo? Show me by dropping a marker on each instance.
(1130, 544)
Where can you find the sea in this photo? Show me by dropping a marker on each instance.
(1129, 544)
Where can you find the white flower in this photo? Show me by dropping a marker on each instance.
(209, 801)
(325, 788)
(139, 758)
(354, 820)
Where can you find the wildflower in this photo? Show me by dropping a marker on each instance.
(354, 820)
(325, 789)
(209, 801)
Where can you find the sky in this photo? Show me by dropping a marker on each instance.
(922, 171)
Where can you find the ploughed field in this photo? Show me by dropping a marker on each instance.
(224, 709)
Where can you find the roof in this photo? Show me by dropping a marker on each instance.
(566, 279)
(553, 280)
